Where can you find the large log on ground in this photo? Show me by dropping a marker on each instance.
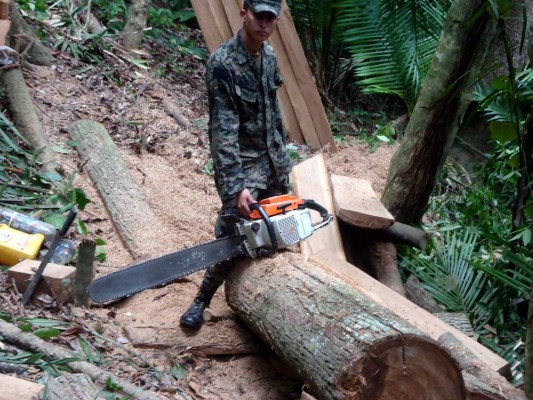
(343, 344)
(124, 199)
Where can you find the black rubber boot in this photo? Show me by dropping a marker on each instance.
(193, 318)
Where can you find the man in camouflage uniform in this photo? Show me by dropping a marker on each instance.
(246, 133)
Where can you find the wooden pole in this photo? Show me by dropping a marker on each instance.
(84, 272)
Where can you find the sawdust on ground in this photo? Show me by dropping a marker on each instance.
(170, 169)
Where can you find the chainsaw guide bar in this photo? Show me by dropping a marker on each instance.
(163, 270)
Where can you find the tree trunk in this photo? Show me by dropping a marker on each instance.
(136, 23)
(25, 117)
(528, 376)
(439, 110)
(22, 39)
(343, 344)
(124, 199)
(4, 21)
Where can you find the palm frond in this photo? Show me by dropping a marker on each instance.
(392, 42)
(449, 277)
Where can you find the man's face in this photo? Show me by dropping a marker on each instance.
(259, 26)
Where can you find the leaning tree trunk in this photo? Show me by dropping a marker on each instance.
(528, 380)
(343, 344)
(23, 40)
(136, 23)
(439, 110)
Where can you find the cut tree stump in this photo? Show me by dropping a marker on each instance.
(343, 344)
(125, 201)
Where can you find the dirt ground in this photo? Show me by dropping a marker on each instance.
(170, 170)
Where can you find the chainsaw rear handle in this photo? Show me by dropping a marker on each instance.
(270, 230)
(326, 216)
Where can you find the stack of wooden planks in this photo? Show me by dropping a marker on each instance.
(303, 113)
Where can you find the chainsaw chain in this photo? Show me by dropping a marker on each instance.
(235, 251)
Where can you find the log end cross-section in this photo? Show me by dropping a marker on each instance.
(402, 367)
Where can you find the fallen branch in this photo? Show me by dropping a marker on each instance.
(14, 335)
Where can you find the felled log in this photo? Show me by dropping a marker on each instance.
(73, 386)
(343, 344)
(481, 381)
(124, 199)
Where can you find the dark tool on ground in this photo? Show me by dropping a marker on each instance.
(274, 223)
(39, 273)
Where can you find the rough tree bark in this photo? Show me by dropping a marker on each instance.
(136, 23)
(339, 341)
(439, 110)
(481, 382)
(528, 376)
(22, 38)
(124, 199)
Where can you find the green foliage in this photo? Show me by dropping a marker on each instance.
(209, 168)
(45, 196)
(473, 276)
(449, 277)
(383, 135)
(392, 43)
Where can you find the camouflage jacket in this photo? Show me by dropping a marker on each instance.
(246, 133)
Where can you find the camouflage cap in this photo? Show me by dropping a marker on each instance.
(259, 6)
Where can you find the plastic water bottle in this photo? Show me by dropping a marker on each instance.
(26, 224)
(64, 252)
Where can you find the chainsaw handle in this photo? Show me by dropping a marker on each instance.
(270, 230)
(311, 204)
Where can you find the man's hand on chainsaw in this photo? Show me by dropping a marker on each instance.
(243, 199)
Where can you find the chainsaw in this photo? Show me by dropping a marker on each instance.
(274, 223)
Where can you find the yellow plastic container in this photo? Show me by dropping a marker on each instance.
(16, 245)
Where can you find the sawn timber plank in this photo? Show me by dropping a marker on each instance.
(357, 204)
(311, 181)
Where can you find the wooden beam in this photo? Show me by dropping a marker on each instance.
(296, 97)
(415, 315)
(304, 77)
(311, 181)
(357, 204)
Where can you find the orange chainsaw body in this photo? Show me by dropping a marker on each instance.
(278, 205)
